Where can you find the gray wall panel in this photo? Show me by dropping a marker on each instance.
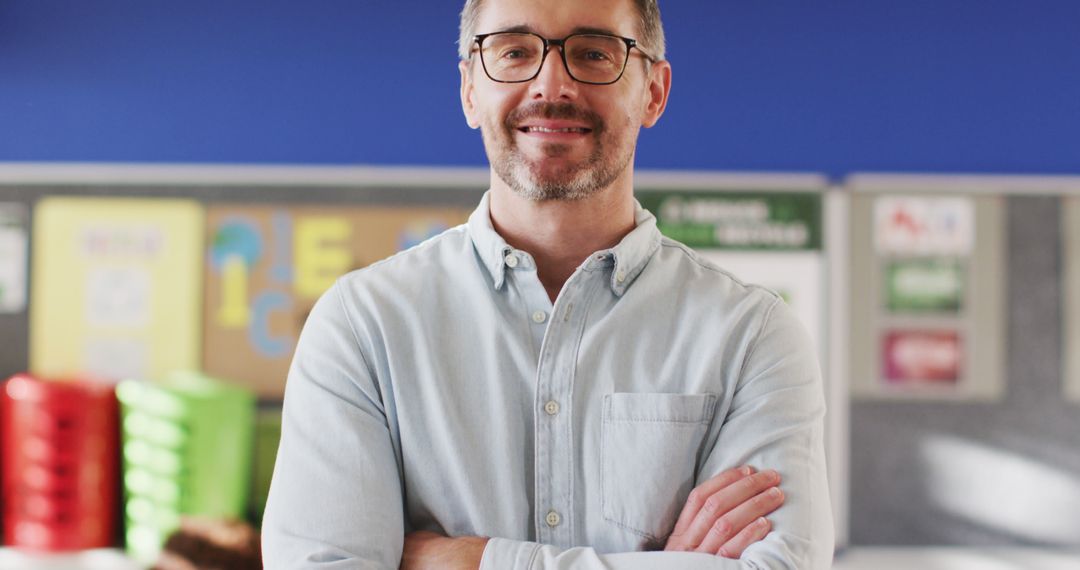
(1011, 470)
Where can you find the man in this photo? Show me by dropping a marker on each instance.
(544, 386)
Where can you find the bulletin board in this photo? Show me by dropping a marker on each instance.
(337, 210)
(911, 453)
(267, 265)
(778, 231)
(1070, 224)
(928, 295)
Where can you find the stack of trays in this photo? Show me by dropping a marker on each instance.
(60, 464)
(187, 451)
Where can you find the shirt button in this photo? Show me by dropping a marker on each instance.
(620, 276)
(553, 519)
(511, 261)
(552, 408)
(539, 317)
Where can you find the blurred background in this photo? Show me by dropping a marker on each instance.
(180, 181)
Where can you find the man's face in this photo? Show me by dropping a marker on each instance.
(597, 124)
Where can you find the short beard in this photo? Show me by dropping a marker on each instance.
(574, 182)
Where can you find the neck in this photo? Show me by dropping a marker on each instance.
(558, 234)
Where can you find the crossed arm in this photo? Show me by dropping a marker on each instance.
(722, 516)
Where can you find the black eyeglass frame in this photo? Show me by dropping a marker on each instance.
(561, 44)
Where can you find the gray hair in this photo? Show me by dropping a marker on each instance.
(650, 28)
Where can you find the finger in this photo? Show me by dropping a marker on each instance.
(753, 532)
(725, 500)
(734, 522)
(704, 491)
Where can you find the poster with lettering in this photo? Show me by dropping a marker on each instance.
(924, 357)
(13, 257)
(117, 285)
(772, 239)
(924, 286)
(267, 265)
(924, 225)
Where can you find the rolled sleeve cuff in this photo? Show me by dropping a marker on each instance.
(506, 554)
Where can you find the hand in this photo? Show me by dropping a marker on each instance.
(725, 514)
(426, 550)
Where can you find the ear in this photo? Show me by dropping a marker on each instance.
(468, 106)
(659, 88)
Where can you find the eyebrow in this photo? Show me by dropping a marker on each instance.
(527, 29)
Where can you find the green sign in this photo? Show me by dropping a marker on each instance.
(783, 221)
(924, 286)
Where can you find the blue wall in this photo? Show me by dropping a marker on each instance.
(831, 85)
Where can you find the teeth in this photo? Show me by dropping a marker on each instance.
(547, 130)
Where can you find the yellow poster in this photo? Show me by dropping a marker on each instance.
(116, 287)
(267, 265)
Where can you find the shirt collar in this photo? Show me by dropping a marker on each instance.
(490, 246)
(628, 257)
(632, 254)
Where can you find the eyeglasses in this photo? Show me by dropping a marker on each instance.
(516, 57)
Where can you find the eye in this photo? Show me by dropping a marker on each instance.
(596, 55)
(514, 52)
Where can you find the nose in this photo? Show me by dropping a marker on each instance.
(553, 82)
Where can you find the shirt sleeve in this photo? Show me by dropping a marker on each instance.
(335, 498)
(775, 421)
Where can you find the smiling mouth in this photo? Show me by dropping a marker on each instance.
(575, 130)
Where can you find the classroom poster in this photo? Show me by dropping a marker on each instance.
(922, 357)
(772, 239)
(920, 286)
(924, 225)
(116, 287)
(14, 243)
(267, 265)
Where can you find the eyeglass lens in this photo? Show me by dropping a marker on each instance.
(518, 57)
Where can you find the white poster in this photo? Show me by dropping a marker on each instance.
(924, 225)
(13, 256)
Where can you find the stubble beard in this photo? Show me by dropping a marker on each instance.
(570, 182)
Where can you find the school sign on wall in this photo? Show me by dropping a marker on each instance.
(780, 221)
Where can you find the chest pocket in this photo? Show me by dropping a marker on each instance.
(650, 445)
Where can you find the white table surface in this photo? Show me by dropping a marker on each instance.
(97, 559)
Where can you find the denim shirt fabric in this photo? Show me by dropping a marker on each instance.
(440, 389)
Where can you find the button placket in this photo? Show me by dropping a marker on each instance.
(555, 461)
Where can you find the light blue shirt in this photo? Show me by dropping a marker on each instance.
(440, 389)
